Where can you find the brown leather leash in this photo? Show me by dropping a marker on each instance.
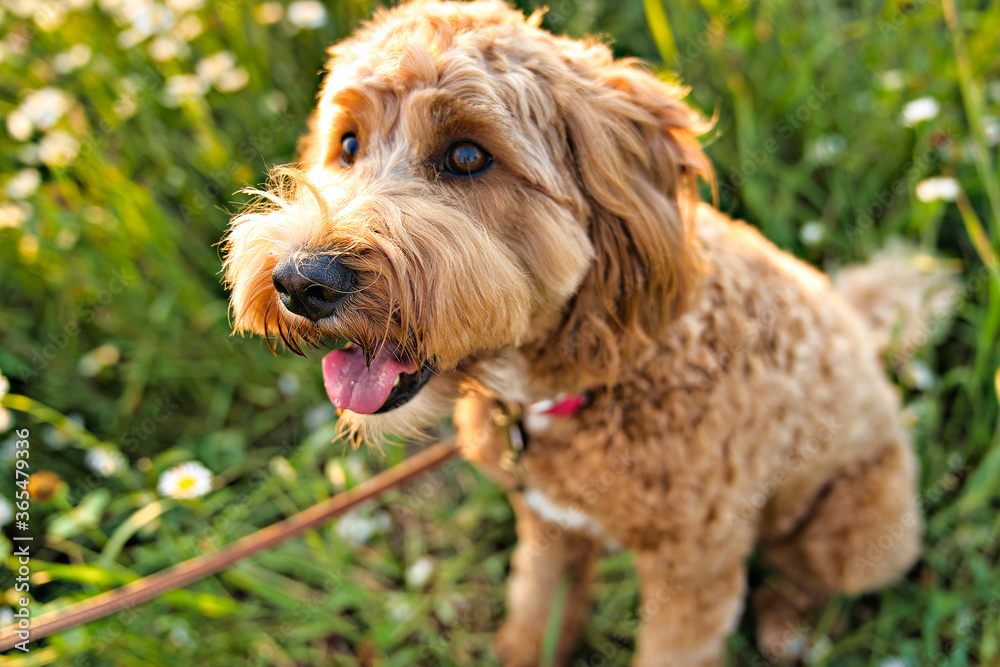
(144, 589)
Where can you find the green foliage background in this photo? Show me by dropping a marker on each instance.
(112, 315)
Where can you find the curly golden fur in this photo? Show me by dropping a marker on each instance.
(735, 399)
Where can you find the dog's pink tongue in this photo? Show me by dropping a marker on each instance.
(353, 387)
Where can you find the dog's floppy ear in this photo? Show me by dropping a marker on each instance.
(633, 147)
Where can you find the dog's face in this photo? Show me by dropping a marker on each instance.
(471, 184)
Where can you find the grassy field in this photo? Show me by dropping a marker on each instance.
(129, 125)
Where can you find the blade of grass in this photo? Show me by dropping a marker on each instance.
(972, 100)
(128, 528)
(554, 625)
(996, 385)
(974, 227)
(44, 413)
(659, 25)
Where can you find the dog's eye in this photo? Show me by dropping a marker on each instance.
(464, 158)
(349, 147)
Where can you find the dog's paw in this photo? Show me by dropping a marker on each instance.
(783, 628)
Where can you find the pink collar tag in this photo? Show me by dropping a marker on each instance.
(561, 406)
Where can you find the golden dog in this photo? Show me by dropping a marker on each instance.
(504, 224)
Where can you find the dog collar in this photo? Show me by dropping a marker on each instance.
(510, 419)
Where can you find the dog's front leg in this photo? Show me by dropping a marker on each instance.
(546, 553)
(685, 622)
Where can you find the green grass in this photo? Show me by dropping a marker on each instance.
(114, 324)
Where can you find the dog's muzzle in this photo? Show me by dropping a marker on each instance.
(317, 286)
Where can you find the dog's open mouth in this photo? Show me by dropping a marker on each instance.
(386, 383)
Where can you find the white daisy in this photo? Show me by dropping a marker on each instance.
(920, 110)
(130, 37)
(19, 125)
(105, 461)
(209, 69)
(354, 527)
(991, 130)
(45, 107)
(892, 79)
(892, 662)
(418, 573)
(188, 28)
(181, 87)
(164, 48)
(232, 80)
(917, 375)
(4, 386)
(12, 215)
(97, 359)
(306, 14)
(337, 475)
(994, 89)
(275, 101)
(187, 480)
(281, 466)
(23, 8)
(827, 147)
(819, 650)
(151, 18)
(180, 635)
(67, 238)
(110, 6)
(50, 16)
(938, 188)
(23, 184)
(75, 58)
(400, 610)
(58, 148)
(5, 420)
(268, 13)
(812, 232)
(220, 70)
(184, 6)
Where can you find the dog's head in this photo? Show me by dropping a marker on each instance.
(472, 184)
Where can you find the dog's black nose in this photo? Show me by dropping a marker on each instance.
(313, 286)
